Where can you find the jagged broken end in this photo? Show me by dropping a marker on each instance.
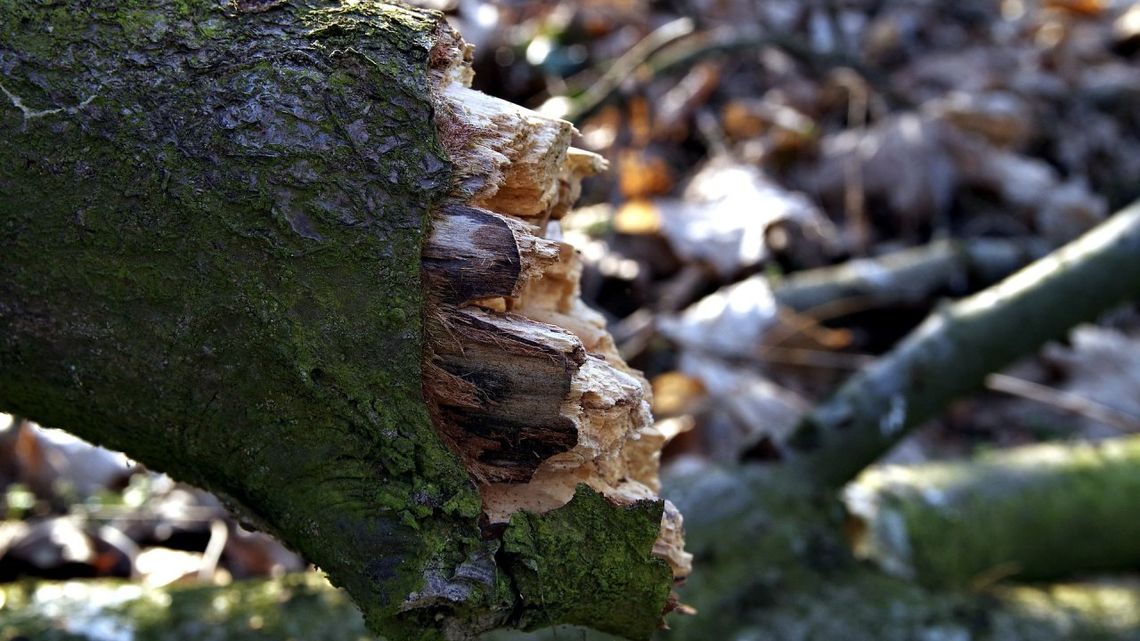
(523, 381)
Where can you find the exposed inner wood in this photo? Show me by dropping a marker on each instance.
(476, 255)
(523, 379)
(504, 380)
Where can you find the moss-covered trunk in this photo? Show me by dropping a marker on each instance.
(212, 216)
(211, 262)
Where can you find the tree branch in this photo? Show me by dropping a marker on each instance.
(950, 354)
(1037, 512)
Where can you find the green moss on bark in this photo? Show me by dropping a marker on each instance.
(1033, 513)
(212, 226)
(213, 221)
(589, 563)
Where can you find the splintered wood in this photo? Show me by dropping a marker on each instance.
(523, 380)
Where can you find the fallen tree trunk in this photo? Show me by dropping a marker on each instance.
(217, 259)
(1037, 512)
(951, 353)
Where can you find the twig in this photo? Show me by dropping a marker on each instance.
(671, 47)
(1064, 401)
(625, 65)
(219, 534)
(806, 357)
(728, 40)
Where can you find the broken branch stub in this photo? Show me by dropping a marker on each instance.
(522, 379)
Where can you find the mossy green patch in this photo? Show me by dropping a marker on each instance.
(589, 562)
(1015, 513)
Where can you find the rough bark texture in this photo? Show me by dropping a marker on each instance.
(213, 214)
(952, 352)
(1034, 513)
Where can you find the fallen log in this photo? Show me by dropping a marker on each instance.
(1032, 513)
(280, 250)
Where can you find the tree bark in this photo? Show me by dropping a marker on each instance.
(213, 217)
(951, 353)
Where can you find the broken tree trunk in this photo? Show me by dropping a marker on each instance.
(1036, 512)
(217, 259)
(951, 353)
